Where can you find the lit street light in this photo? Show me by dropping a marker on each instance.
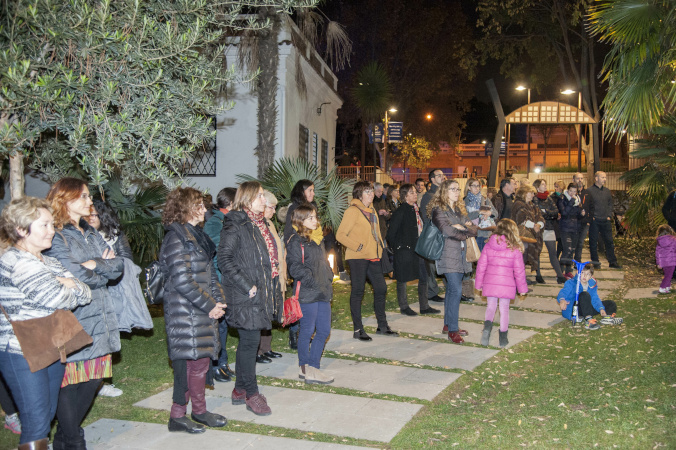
(385, 141)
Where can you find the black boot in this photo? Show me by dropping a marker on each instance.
(486, 333)
(503, 339)
(293, 340)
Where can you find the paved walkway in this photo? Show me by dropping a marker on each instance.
(400, 369)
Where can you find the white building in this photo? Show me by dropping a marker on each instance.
(301, 129)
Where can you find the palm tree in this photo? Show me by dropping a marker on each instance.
(640, 69)
(259, 51)
(372, 94)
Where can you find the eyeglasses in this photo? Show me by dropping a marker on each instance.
(368, 191)
(455, 189)
(86, 196)
(260, 195)
(274, 208)
(474, 185)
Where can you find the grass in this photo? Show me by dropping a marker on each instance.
(564, 387)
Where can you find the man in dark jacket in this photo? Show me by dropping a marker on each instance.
(601, 221)
(505, 198)
(436, 178)
(583, 223)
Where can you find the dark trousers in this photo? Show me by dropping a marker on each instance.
(569, 241)
(223, 336)
(604, 228)
(6, 402)
(585, 307)
(360, 270)
(265, 344)
(582, 232)
(35, 393)
(432, 286)
(316, 320)
(332, 246)
(245, 368)
(74, 403)
(402, 295)
(197, 378)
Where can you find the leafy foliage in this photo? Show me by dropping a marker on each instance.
(372, 92)
(651, 183)
(124, 85)
(332, 193)
(641, 65)
(415, 151)
(139, 212)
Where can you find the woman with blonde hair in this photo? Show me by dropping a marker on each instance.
(500, 271)
(265, 354)
(530, 222)
(449, 215)
(33, 286)
(312, 276)
(249, 261)
(82, 250)
(194, 300)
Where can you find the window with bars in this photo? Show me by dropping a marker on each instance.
(202, 162)
(315, 148)
(303, 142)
(325, 157)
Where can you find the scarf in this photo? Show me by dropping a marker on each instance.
(373, 220)
(542, 195)
(314, 236)
(202, 239)
(472, 201)
(259, 221)
(418, 220)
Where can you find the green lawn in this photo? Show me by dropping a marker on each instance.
(564, 387)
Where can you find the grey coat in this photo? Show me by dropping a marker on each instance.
(453, 259)
(98, 318)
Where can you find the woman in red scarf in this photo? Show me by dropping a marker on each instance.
(550, 212)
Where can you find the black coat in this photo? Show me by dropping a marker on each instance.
(402, 237)
(191, 291)
(549, 211)
(570, 214)
(244, 261)
(315, 275)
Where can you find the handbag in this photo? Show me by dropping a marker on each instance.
(430, 243)
(154, 285)
(45, 340)
(526, 235)
(292, 311)
(473, 253)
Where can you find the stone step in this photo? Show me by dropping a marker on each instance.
(110, 434)
(319, 412)
(516, 317)
(541, 290)
(636, 293)
(415, 351)
(367, 377)
(530, 302)
(431, 326)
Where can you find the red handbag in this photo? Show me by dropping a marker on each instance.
(292, 311)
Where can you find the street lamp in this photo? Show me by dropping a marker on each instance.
(579, 127)
(521, 87)
(385, 139)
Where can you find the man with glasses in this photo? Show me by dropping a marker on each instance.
(436, 178)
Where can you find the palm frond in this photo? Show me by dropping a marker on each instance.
(338, 46)
(373, 91)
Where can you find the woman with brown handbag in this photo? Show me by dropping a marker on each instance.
(34, 286)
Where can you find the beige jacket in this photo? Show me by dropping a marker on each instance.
(355, 233)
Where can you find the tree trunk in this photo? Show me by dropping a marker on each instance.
(267, 92)
(16, 177)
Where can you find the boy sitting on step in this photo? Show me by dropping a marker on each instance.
(589, 303)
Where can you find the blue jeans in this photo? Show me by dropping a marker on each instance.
(452, 300)
(223, 336)
(316, 319)
(35, 394)
(481, 242)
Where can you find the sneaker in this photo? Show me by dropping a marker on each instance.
(666, 290)
(611, 320)
(12, 423)
(614, 266)
(109, 390)
(591, 324)
(258, 405)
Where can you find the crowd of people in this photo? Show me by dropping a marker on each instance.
(225, 267)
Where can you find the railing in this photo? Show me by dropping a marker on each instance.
(364, 173)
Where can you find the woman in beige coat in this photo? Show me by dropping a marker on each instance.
(359, 232)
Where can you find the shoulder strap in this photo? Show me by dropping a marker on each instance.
(65, 241)
(5, 313)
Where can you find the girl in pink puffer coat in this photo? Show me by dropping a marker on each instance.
(500, 271)
(665, 255)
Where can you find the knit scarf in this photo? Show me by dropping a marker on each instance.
(472, 201)
(373, 220)
(259, 221)
(418, 220)
(543, 195)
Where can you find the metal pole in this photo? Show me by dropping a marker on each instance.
(385, 138)
(528, 163)
(509, 139)
(579, 134)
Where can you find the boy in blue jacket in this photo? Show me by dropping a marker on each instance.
(589, 303)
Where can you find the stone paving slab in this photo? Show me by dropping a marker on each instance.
(530, 302)
(369, 377)
(598, 274)
(430, 326)
(450, 356)
(516, 317)
(110, 434)
(552, 291)
(637, 293)
(340, 415)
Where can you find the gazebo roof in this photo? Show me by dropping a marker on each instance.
(551, 113)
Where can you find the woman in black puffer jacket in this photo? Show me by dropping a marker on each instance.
(312, 275)
(193, 302)
(248, 260)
